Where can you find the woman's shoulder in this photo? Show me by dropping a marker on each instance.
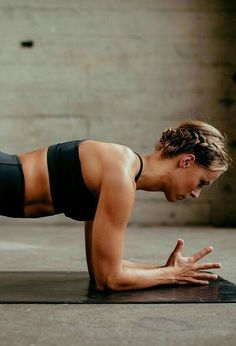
(107, 158)
(106, 152)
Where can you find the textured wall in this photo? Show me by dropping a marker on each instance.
(121, 71)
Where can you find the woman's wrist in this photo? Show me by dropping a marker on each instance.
(168, 274)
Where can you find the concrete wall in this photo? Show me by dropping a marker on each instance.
(121, 71)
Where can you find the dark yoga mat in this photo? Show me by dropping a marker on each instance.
(75, 287)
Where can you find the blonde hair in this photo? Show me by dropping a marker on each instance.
(199, 138)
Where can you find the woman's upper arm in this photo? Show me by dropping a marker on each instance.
(116, 200)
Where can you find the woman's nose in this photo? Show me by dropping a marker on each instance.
(195, 194)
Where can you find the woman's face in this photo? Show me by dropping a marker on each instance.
(188, 179)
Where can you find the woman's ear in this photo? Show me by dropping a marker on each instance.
(187, 160)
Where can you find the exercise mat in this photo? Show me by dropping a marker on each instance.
(76, 288)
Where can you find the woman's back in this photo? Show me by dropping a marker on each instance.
(94, 159)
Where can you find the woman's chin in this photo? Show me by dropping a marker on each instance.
(171, 199)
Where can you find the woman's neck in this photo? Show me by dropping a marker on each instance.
(156, 170)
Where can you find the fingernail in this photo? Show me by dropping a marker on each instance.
(211, 247)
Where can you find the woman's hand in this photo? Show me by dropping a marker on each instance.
(186, 270)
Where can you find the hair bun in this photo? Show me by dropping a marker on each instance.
(199, 138)
(167, 135)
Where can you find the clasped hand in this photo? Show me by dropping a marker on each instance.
(187, 270)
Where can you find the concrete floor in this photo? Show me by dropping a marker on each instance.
(30, 246)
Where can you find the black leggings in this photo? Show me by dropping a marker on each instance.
(12, 186)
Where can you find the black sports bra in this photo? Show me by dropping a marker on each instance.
(69, 193)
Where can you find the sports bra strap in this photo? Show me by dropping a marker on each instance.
(141, 167)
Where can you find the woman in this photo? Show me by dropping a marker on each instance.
(96, 182)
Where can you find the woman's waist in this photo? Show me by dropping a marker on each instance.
(36, 181)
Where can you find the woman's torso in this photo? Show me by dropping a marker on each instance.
(95, 159)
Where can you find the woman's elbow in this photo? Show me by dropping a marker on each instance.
(111, 282)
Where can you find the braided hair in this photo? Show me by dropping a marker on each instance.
(199, 138)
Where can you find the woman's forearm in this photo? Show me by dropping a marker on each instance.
(136, 278)
(178, 270)
(129, 264)
(125, 265)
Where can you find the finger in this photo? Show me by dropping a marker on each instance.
(189, 281)
(204, 266)
(202, 253)
(205, 276)
(177, 250)
(179, 246)
(199, 282)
